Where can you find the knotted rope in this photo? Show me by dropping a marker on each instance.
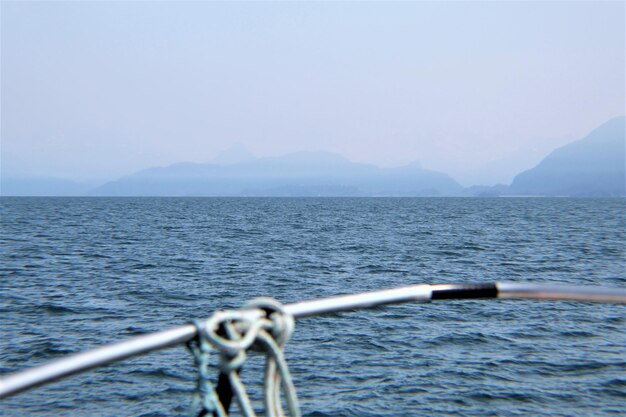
(233, 333)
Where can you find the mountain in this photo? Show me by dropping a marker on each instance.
(591, 167)
(295, 174)
(486, 190)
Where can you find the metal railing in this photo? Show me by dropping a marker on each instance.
(30, 378)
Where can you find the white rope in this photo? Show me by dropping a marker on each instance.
(233, 334)
(205, 399)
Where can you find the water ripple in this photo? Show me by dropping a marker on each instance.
(78, 273)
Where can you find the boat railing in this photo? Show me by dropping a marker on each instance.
(30, 378)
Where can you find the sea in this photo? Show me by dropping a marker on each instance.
(77, 273)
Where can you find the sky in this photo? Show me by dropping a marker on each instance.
(92, 91)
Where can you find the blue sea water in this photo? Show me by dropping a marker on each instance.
(77, 273)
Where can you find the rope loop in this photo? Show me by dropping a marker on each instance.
(282, 323)
(237, 338)
(262, 325)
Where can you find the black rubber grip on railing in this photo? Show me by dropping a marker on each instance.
(464, 291)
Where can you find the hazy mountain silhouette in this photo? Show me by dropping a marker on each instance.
(592, 166)
(295, 174)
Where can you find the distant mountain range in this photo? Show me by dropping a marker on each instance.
(295, 174)
(592, 166)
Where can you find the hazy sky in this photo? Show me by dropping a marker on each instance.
(96, 90)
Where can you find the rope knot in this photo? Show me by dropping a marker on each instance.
(282, 323)
(264, 325)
